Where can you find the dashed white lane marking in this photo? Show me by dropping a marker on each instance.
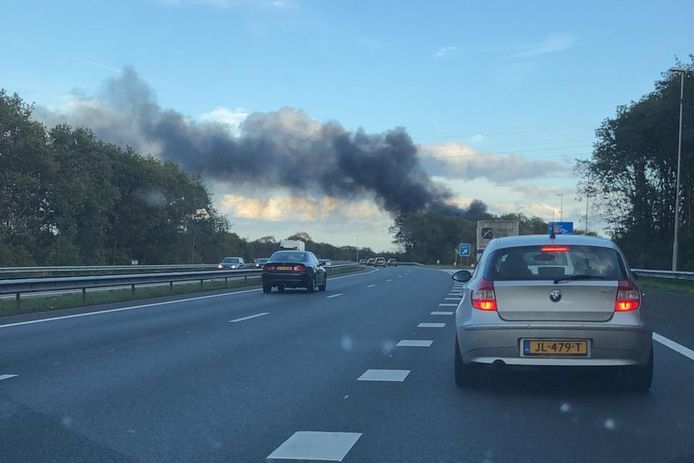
(334, 295)
(679, 348)
(448, 305)
(414, 343)
(236, 320)
(370, 286)
(155, 304)
(389, 279)
(316, 445)
(399, 276)
(441, 313)
(451, 299)
(384, 375)
(431, 325)
(7, 377)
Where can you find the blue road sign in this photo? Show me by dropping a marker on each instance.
(560, 228)
(464, 249)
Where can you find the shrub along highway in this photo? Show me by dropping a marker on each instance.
(363, 372)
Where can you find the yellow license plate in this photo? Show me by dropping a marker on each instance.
(284, 267)
(552, 347)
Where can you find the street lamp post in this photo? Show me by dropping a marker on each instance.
(681, 71)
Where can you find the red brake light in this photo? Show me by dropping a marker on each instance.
(628, 297)
(268, 268)
(299, 268)
(554, 248)
(482, 296)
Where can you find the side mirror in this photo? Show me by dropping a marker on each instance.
(462, 276)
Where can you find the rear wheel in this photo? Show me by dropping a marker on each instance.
(312, 284)
(267, 289)
(324, 285)
(465, 375)
(640, 377)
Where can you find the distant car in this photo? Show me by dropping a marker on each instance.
(380, 262)
(538, 301)
(362, 261)
(293, 269)
(370, 261)
(392, 263)
(231, 263)
(259, 262)
(325, 262)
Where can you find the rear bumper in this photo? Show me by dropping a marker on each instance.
(609, 345)
(288, 280)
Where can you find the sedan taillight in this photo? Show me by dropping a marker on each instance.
(299, 268)
(628, 297)
(482, 295)
(268, 268)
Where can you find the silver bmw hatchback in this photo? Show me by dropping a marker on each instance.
(542, 300)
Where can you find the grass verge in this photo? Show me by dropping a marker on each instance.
(98, 297)
(667, 284)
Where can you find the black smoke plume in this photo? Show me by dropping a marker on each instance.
(284, 148)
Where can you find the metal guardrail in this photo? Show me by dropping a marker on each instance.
(101, 268)
(664, 274)
(33, 285)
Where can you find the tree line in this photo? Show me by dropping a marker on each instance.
(632, 174)
(67, 198)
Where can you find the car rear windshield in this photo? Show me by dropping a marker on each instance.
(554, 262)
(231, 260)
(288, 256)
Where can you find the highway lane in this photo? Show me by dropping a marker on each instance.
(211, 379)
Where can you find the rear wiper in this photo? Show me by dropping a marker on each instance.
(579, 277)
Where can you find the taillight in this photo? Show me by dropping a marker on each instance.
(299, 268)
(628, 297)
(482, 295)
(268, 268)
(554, 248)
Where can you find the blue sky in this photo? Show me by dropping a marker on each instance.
(525, 78)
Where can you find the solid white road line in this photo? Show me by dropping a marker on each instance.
(679, 348)
(414, 343)
(334, 295)
(370, 286)
(236, 320)
(316, 445)
(384, 375)
(154, 304)
(448, 305)
(442, 313)
(431, 325)
(7, 377)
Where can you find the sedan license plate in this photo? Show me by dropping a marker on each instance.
(555, 347)
(284, 267)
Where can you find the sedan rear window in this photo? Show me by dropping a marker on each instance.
(288, 256)
(554, 262)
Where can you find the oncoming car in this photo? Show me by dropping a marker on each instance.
(233, 263)
(293, 269)
(380, 262)
(392, 262)
(543, 301)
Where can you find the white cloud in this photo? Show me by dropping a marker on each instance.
(456, 160)
(552, 44)
(445, 51)
(225, 116)
(296, 209)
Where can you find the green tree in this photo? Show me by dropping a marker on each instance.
(632, 173)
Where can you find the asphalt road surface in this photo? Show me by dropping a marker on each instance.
(347, 375)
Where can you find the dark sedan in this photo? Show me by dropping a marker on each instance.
(293, 269)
